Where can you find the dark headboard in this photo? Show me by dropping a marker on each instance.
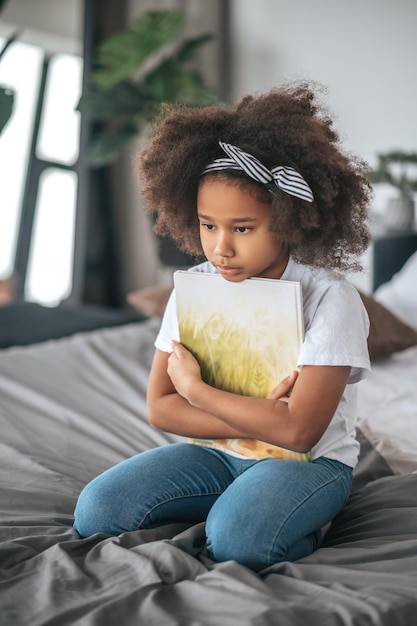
(390, 252)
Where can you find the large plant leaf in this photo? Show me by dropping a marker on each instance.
(126, 99)
(174, 80)
(191, 46)
(6, 106)
(106, 147)
(120, 55)
(173, 83)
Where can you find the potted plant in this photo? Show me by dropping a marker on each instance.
(396, 168)
(137, 70)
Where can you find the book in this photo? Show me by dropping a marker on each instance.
(246, 337)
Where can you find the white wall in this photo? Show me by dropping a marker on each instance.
(364, 51)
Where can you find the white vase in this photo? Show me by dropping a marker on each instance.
(399, 213)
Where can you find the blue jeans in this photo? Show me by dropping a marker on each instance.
(257, 512)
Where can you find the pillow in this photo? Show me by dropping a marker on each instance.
(150, 301)
(399, 295)
(387, 333)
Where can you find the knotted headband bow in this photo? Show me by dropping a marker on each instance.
(284, 177)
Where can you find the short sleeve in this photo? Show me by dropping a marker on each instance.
(337, 332)
(168, 331)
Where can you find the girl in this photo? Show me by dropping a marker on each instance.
(263, 190)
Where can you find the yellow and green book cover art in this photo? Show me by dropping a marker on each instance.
(246, 337)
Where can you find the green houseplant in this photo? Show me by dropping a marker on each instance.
(396, 168)
(137, 70)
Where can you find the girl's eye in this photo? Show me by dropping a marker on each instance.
(208, 226)
(242, 229)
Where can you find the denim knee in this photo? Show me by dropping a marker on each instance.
(178, 482)
(93, 513)
(258, 521)
(221, 548)
(254, 549)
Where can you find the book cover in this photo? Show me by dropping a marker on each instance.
(246, 336)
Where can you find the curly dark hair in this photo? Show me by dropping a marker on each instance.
(286, 126)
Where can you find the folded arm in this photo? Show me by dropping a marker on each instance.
(168, 410)
(184, 404)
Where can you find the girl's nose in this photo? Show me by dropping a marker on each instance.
(223, 245)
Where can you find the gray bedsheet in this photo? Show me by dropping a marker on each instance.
(71, 408)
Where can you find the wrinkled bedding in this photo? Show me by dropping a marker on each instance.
(388, 410)
(73, 407)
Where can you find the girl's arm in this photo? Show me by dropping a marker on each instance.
(297, 424)
(170, 411)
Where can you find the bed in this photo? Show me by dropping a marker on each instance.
(71, 407)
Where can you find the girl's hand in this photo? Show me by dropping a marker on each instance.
(183, 369)
(283, 390)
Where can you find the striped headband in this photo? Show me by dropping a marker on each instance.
(284, 177)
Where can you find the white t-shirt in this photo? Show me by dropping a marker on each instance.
(336, 330)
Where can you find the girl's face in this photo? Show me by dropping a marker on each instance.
(234, 232)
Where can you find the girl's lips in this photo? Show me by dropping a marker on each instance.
(228, 271)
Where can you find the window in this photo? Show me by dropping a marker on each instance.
(59, 128)
(20, 69)
(51, 251)
(53, 145)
